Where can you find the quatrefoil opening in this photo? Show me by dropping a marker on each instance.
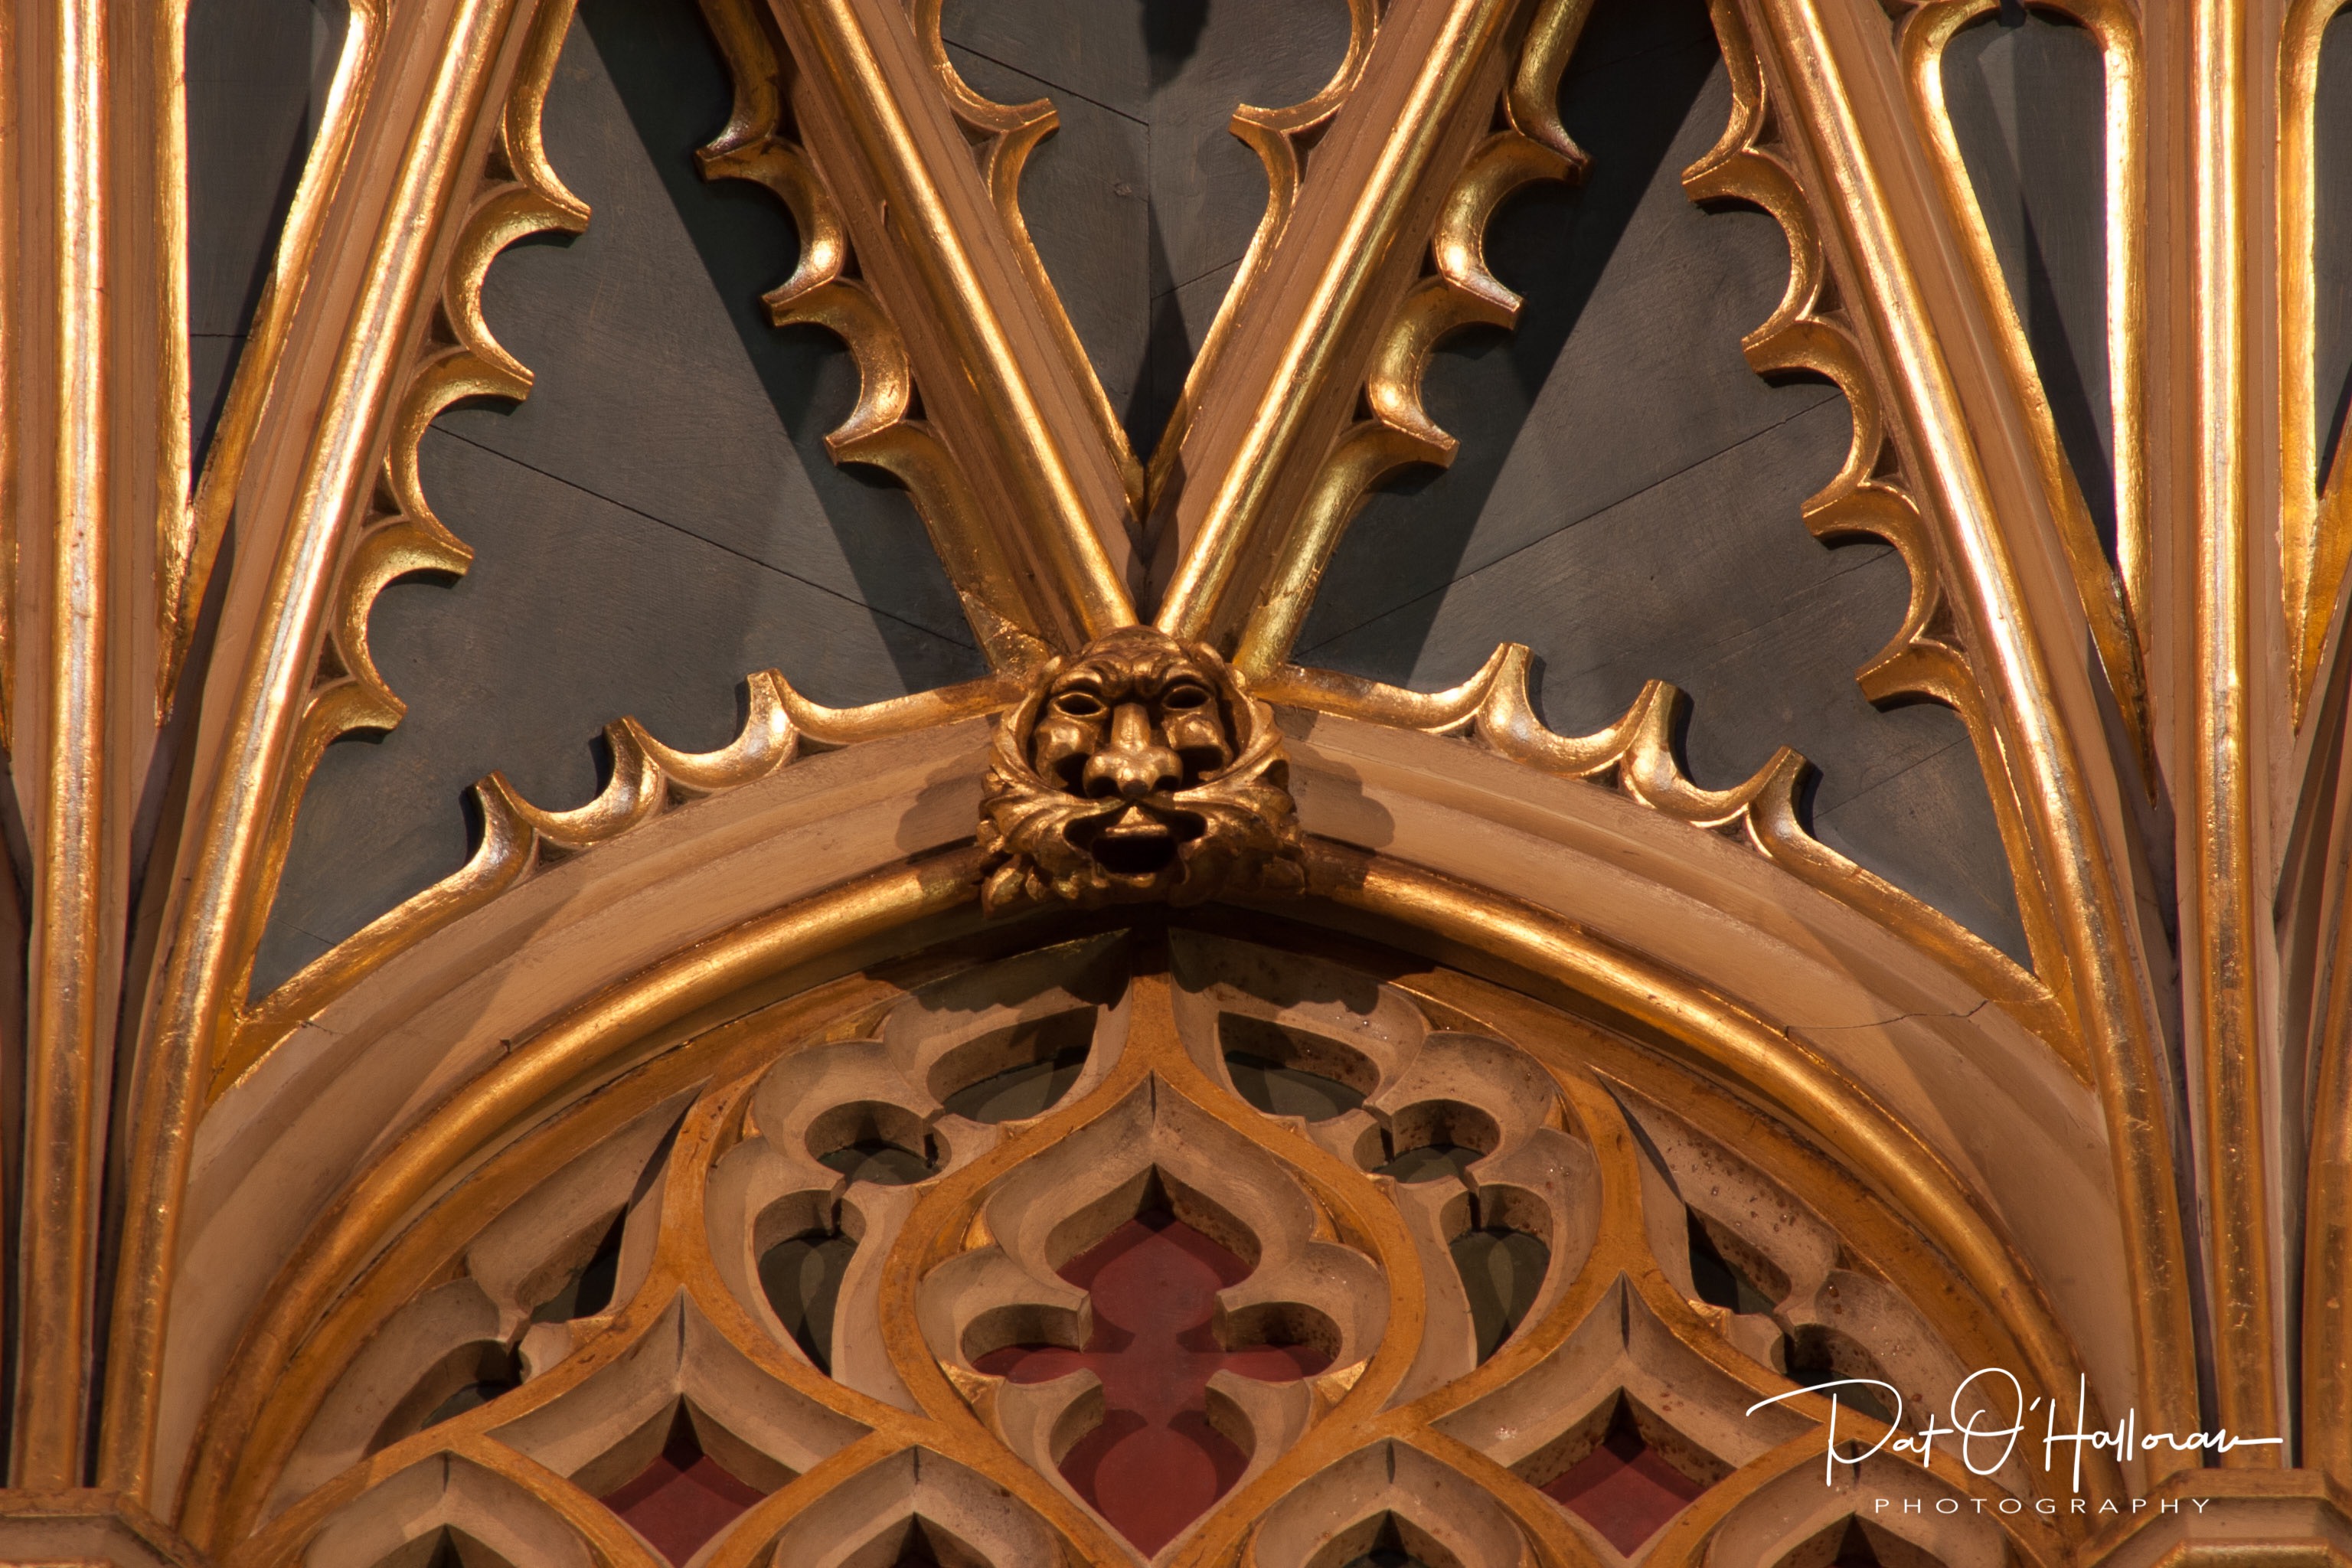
(1148, 1313)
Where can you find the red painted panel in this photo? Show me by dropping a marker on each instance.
(1154, 1464)
(1624, 1489)
(683, 1498)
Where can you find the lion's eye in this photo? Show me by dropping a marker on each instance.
(1185, 699)
(1078, 705)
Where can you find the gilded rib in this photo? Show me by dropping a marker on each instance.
(2315, 530)
(518, 836)
(2228, 903)
(1003, 394)
(880, 431)
(73, 895)
(191, 526)
(1871, 495)
(2111, 594)
(518, 195)
(1003, 135)
(1243, 539)
(1457, 291)
(270, 740)
(1281, 138)
(1866, 496)
(2048, 774)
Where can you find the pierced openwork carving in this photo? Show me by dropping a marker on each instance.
(1139, 768)
(1158, 1246)
(838, 1255)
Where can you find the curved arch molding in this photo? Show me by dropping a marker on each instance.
(1938, 1101)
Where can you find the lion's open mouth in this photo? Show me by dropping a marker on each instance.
(1139, 842)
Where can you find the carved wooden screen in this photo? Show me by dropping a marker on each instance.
(1419, 1263)
(1110, 1056)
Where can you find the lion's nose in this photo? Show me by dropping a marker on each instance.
(1134, 763)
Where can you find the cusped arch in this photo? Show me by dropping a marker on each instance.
(1591, 1076)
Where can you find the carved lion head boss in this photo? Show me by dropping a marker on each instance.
(1138, 768)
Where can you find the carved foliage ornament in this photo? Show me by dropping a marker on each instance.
(1138, 768)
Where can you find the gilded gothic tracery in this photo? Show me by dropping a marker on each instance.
(1367, 1181)
(1167, 1095)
